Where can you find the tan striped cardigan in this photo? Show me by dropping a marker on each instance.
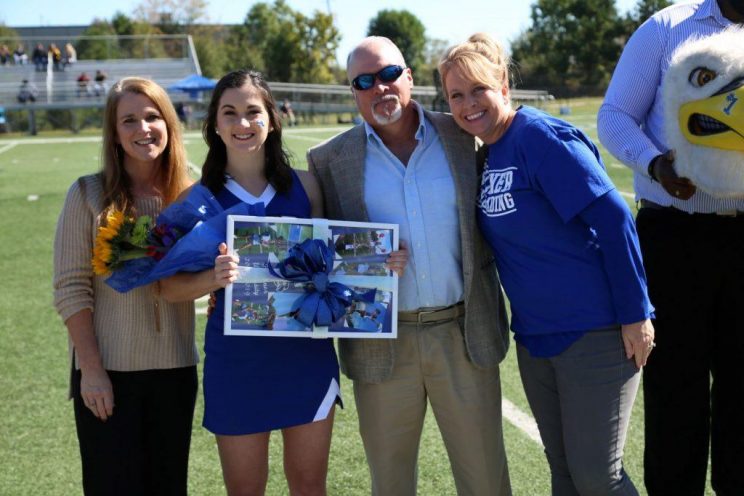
(126, 325)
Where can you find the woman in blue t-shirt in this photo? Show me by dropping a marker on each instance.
(568, 256)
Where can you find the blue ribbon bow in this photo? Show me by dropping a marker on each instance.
(323, 302)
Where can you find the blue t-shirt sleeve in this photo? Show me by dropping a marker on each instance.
(565, 168)
(610, 217)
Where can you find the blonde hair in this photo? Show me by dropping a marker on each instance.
(173, 176)
(481, 59)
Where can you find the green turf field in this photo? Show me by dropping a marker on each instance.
(38, 446)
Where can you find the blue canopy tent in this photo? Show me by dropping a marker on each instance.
(193, 85)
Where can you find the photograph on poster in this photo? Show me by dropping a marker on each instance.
(261, 303)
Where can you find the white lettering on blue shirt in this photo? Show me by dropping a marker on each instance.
(496, 199)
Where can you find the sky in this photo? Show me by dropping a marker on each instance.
(449, 20)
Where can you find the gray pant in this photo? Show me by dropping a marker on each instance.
(582, 400)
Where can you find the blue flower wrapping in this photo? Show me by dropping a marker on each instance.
(204, 221)
(323, 302)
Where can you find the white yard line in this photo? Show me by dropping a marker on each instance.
(292, 130)
(518, 418)
(304, 138)
(7, 147)
(49, 141)
(521, 420)
(195, 169)
(201, 305)
(190, 135)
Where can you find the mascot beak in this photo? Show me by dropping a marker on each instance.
(716, 121)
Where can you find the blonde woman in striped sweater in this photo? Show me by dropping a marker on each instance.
(133, 356)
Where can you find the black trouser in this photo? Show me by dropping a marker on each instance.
(695, 269)
(143, 448)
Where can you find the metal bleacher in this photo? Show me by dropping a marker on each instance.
(334, 98)
(59, 89)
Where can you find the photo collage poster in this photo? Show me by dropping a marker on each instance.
(260, 304)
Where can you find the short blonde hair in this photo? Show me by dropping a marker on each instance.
(481, 59)
(173, 176)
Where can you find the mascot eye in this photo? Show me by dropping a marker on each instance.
(701, 76)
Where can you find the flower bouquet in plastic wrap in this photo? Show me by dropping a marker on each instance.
(184, 238)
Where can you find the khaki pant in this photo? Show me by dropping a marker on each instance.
(431, 364)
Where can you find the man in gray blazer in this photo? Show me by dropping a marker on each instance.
(416, 168)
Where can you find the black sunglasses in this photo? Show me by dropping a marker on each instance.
(386, 75)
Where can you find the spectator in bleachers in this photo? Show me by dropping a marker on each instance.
(287, 113)
(184, 111)
(99, 86)
(83, 84)
(70, 55)
(5, 56)
(39, 57)
(28, 92)
(56, 56)
(19, 55)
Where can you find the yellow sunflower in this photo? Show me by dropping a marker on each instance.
(101, 256)
(103, 251)
(115, 219)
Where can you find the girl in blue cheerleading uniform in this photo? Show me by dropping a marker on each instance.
(253, 385)
(567, 253)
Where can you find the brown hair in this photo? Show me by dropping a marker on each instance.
(481, 59)
(277, 168)
(173, 176)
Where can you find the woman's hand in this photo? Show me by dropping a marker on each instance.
(187, 286)
(638, 339)
(225, 267)
(397, 260)
(97, 392)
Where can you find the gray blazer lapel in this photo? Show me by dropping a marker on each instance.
(486, 329)
(349, 171)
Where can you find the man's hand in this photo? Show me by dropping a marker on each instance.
(663, 171)
(398, 260)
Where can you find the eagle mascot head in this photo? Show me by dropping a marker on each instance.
(704, 112)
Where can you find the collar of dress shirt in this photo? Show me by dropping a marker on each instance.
(710, 8)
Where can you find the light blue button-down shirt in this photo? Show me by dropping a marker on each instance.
(421, 198)
(631, 120)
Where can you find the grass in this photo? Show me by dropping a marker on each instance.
(38, 445)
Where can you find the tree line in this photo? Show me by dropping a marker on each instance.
(571, 46)
(283, 43)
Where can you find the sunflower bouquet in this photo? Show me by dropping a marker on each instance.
(135, 252)
(124, 238)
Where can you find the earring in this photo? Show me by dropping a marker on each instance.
(217, 132)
